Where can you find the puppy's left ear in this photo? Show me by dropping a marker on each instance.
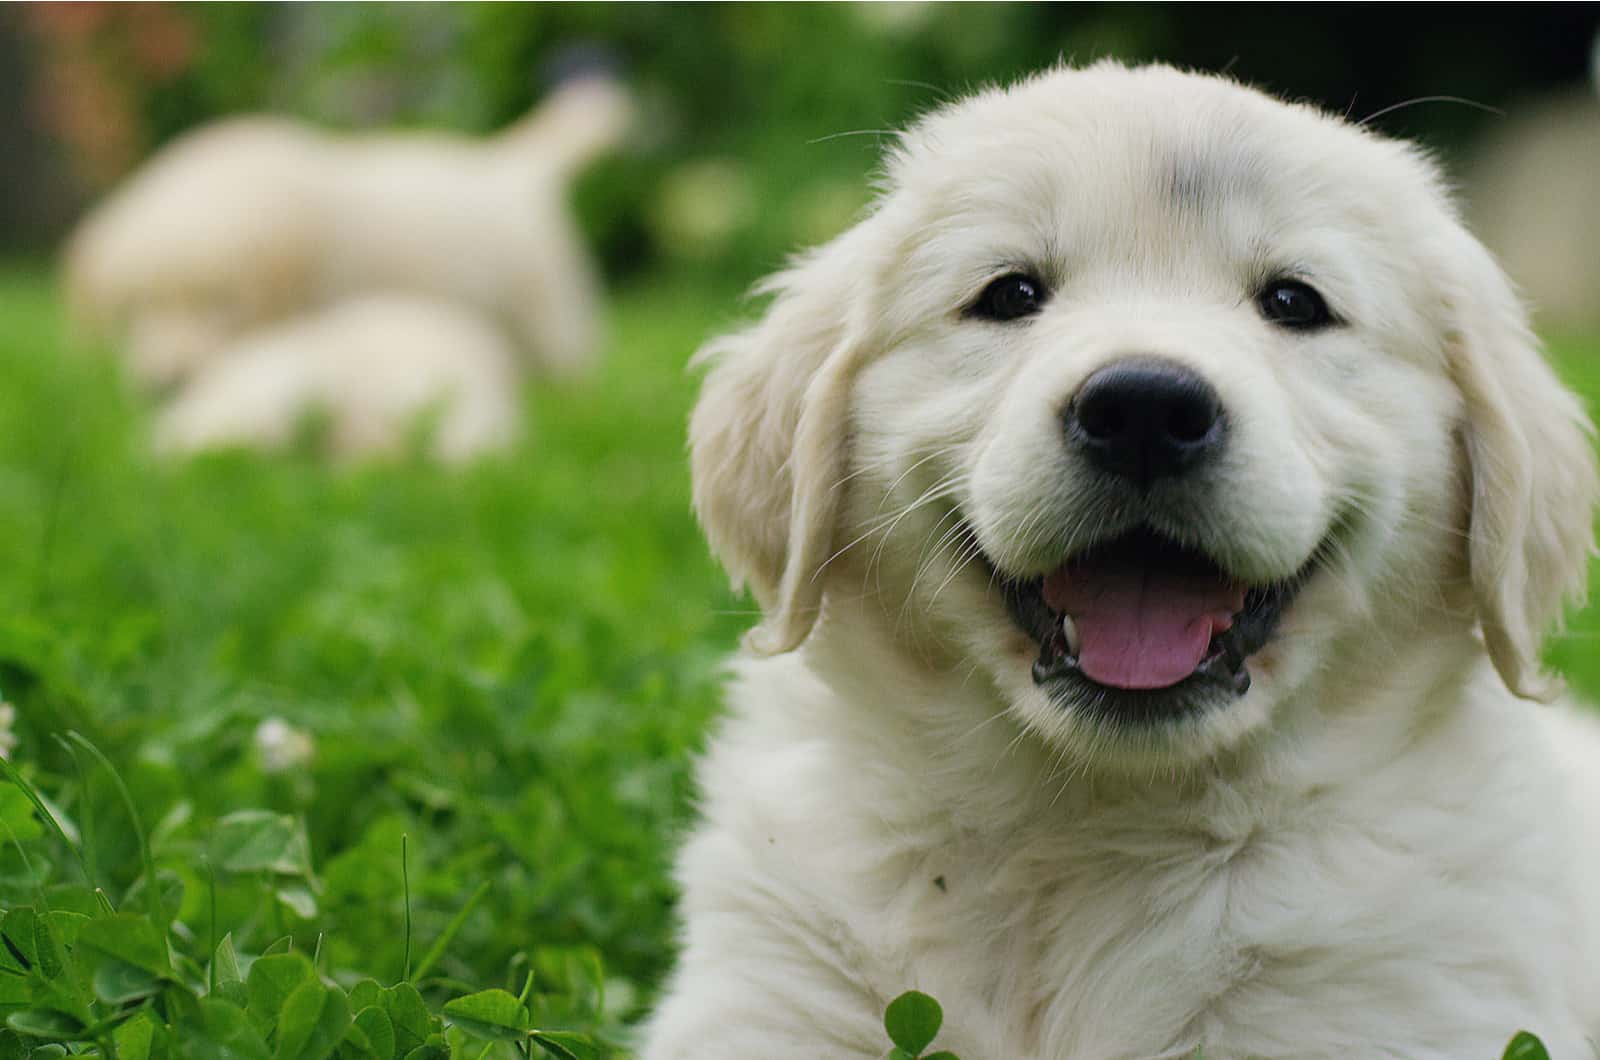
(1533, 478)
(768, 437)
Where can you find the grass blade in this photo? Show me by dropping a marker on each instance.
(437, 949)
(10, 773)
(405, 886)
(152, 885)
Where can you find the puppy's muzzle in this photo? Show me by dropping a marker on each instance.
(1145, 418)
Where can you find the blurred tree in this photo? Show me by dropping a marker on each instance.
(35, 200)
(98, 66)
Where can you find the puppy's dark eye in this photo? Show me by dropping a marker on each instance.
(1010, 297)
(1292, 304)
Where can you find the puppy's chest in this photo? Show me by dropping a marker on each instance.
(1133, 943)
(1061, 952)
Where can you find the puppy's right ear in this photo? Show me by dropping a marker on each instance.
(1530, 452)
(768, 439)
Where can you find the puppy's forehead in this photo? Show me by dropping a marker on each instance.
(1197, 177)
(1110, 133)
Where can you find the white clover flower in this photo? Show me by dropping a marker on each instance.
(8, 737)
(280, 747)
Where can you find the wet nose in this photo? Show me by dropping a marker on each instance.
(1145, 418)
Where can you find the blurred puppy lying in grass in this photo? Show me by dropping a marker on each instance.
(1156, 506)
(375, 366)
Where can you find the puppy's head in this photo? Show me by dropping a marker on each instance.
(1150, 398)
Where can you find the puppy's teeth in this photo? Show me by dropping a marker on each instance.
(1069, 630)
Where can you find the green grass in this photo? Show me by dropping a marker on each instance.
(1575, 650)
(511, 666)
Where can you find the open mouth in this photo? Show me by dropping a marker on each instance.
(1142, 627)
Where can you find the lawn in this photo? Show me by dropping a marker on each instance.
(510, 665)
(507, 669)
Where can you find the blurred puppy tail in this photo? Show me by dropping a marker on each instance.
(581, 119)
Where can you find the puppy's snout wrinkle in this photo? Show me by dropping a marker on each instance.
(1145, 418)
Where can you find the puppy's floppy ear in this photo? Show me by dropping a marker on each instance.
(1531, 457)
(768, 438)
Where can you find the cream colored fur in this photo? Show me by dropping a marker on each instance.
(254, 218)
(376, 366)
(1382, 849)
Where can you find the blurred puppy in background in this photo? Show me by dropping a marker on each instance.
(250, 221)
(1156, 506)
(1534, 190)
(254, 218)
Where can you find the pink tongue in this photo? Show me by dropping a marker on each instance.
(1138, 627)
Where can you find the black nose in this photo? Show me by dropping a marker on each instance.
(1144, 418)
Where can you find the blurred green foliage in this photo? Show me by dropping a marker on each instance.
(761, 120)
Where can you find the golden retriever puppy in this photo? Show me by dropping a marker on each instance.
(374, 365)
(1156, 504)
(254, 218)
